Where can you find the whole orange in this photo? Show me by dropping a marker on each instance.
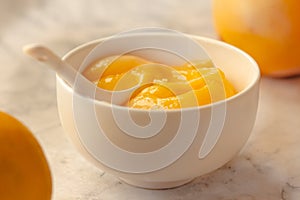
(24, 170)
(269, 30)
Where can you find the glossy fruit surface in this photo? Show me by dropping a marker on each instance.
(201, 86)
(161, 86)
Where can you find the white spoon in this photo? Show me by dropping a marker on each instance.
(75, 79)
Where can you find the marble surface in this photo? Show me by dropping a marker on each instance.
(267, 168)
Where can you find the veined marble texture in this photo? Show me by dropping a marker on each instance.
(268, 168)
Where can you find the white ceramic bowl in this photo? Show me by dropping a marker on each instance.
(191, 142)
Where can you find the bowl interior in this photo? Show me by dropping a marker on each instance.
(240, 69)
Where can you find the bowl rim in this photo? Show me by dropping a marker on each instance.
(253, 82)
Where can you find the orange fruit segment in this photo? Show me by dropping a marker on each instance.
(162, 87)
(24, 171)
(106, 72)
(206, 87)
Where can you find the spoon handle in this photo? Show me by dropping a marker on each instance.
(45, 55)
(82, 85)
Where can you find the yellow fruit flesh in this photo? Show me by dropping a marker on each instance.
(200, 93)
(112, 69)
(164, 87)
(24, 171)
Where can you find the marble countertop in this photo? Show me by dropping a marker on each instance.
(267, 168)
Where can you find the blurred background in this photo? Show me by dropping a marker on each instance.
(69, 23)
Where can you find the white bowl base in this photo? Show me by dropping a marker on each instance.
(156, 185)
